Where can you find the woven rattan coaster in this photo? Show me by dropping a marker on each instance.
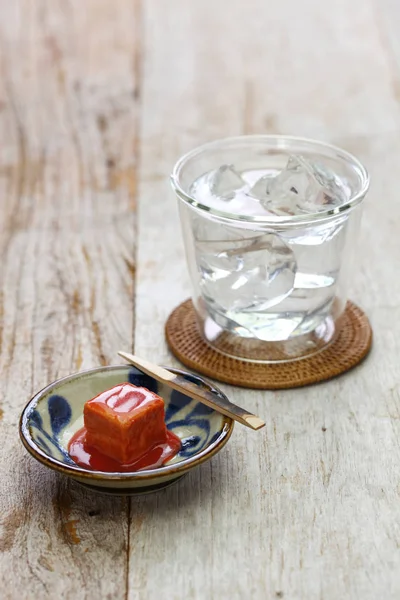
(350, 347)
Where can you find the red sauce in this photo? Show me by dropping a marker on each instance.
(90, 458)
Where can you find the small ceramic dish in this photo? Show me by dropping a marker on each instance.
(54, 414)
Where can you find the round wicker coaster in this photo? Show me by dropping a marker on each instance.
(350, 347)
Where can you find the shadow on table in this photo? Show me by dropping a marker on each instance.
(70, 500)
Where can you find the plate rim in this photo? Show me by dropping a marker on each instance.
(76, 471)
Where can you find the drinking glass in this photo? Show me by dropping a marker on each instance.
(268, 287)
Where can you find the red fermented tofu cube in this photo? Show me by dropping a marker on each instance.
(125, 422)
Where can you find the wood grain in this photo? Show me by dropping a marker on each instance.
(309, 507)
(97, 101)
(68, 121)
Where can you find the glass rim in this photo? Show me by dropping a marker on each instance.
(274, 220)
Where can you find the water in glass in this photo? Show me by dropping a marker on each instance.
(270, 284)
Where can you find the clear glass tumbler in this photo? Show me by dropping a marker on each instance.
(267, 287)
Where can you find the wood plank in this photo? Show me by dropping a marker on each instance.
(387, 17)
(308, 507)
(68, 122)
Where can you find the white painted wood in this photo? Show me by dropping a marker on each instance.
(307, 508)
(97, 101)
(67, 188)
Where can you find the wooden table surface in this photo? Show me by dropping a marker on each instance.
(97, 101)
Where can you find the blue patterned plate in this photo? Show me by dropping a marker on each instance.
(52, 417)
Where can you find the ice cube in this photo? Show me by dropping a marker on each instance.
(260, 188)
(247, 275)
(302, 187)
(224, 182)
